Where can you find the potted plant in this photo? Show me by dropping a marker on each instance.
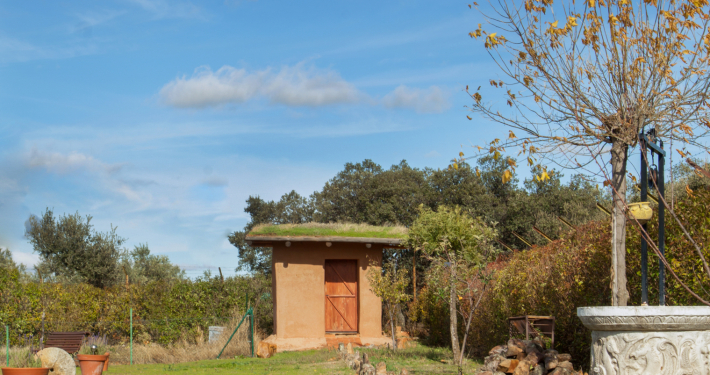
(26, 365)
(93, 364)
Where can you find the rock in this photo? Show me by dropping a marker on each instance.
(550, 363)
(566, 365)
(515, 342)
(491, 362)
(404, 372)
(564, 357)
(508, 366)
(365, 359)
(265, 349)
(533, 358)
(560, 371)
(58, 361)
(523, 368)
(367, 369)
(381, 369)
(485, 373)
(341, 347)
(500, 349)
(538, 341)
(513, 351)
(537, 370)
(349, 348)
(404, 342)
(551, 353)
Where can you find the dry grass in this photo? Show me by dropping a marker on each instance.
(332, 229)
(154, 353)
(19, 357)
(186, 352)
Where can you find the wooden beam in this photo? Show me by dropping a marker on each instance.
(541, 233)
(565, 222)
(521, 239)
(504, 245)
(603, 209)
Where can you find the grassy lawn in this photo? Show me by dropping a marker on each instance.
(418, 360)
(309, 362)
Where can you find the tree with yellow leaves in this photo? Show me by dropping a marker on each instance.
(582, 79)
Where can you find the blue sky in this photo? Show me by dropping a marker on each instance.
(162, 117)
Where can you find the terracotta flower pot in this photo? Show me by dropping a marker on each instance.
(91, 364)
(107, 354)
(25, 371)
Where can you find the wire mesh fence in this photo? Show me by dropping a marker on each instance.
(137, 340)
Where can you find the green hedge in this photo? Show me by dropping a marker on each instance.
(166, 312)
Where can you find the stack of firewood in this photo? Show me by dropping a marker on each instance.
(527, 357)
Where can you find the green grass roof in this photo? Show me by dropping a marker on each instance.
(328, 230)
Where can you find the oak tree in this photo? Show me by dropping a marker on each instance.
(579, 80)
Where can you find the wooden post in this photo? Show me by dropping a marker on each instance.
(220, 274)
(125, 273)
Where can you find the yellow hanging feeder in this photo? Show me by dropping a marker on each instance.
(640, 211)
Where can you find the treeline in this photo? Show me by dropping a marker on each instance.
(72, 251)
(368, 193)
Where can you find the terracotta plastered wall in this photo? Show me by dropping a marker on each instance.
(299, 287)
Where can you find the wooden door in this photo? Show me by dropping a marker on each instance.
(341, 295)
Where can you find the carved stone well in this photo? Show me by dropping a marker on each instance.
(648, 340)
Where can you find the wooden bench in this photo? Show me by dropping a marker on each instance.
(70, 342)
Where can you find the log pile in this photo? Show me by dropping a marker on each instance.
(527, 357)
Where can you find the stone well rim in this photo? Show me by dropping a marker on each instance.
(645, 318)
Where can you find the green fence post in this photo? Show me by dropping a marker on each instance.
(131, 336)
(233, 333)
(7, 345)
(251, 329)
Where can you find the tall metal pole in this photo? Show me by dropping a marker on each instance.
(7, 346)
(661, 228)
(131, 336)
(644, 245)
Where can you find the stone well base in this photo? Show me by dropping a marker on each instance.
(658, 340)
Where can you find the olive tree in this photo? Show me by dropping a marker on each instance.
(579, 80)
(458, 247)
(389, 282)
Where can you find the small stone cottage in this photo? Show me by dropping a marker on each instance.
(320, 288)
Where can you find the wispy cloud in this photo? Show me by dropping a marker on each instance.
(170, 9)
(431, 100)
(59, 163)
(89, 20)
(291, 86)
(15, 50)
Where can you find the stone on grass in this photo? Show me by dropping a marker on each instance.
(564, 357)
(58, 361)
(537, 370)
(349, 348)
(265, 349)
(367, 369)
(381, 369)
(404, 372)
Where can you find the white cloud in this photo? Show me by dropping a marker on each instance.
(29, 260)
(432, 154)
(431, 100)
(66, 163)
(291, 86)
